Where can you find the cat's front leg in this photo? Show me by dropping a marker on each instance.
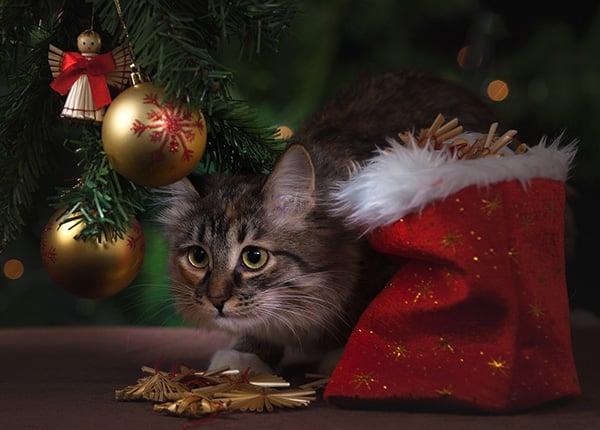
(247, 352)
(241, 361)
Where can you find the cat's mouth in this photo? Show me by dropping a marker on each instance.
(224, 315)
(225, 312)
(236, 307)
(234, 319)
(219, 308)
(231, 320)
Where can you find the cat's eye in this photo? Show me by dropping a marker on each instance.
(198, 257)
(254, 258)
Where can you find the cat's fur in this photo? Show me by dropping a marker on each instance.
(319, 274)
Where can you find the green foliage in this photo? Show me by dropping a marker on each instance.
(101, 198)
(177, 44)
(24, 144)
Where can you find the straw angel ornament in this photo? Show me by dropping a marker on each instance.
(85, 76)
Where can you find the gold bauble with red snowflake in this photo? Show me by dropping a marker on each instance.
(90, 269)
(152, 141)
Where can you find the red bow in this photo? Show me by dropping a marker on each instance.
(75, 64)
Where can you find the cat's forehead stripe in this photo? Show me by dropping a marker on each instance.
(230, 210)
(242, 233)
(219, 228)
(200, 232)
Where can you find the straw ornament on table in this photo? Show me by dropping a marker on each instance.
(187, 392)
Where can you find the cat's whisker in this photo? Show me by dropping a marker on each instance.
(267, 316)
(307, 311)
(148, 303)
(276, 306)
(317, 278)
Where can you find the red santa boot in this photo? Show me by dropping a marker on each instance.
(477, 315)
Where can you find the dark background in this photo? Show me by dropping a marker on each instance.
(547, 53)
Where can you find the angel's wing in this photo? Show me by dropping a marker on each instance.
(55, 59)
(119, 77)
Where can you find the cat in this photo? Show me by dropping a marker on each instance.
(265, 259)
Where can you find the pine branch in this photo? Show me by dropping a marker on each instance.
(24, 145)
(177, 45)
(234, 148)
(254, 23)
(101, 198)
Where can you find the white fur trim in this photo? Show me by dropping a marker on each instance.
(404, 179)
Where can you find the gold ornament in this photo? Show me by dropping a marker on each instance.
(90, 269)
(152, 141)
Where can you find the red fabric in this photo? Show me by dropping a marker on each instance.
(74, 65)
(477, 316)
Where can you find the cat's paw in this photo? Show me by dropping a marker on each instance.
(235, 359)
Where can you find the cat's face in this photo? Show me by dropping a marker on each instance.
(255, 256)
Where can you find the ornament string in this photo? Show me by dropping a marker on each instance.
(125, 31)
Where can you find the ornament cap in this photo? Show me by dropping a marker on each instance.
(137, 76)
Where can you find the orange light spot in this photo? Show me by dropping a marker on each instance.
(283, 132)
(497, 90)
(468, 57)
(13, 269)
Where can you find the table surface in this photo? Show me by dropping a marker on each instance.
(65, 378)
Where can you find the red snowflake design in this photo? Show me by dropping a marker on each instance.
(48, 251)
(135, 237)
(171, 126)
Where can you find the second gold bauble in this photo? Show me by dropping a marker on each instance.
(152, 141)
(90, 269)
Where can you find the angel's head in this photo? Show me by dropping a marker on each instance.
(89, 42)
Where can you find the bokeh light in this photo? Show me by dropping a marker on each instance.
(468, 58)
(497, 90)
(284, 132)
(13, 269)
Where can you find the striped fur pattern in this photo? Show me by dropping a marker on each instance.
(264, 258)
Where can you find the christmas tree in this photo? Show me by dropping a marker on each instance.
(177, 45)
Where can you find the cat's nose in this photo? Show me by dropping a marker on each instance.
(218, 302)
(218, 293)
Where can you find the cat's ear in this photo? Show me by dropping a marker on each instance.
(182, 188)
(171, 201)
(289, 191)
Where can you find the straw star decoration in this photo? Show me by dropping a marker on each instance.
(193, 394)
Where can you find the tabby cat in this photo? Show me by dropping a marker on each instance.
(264, 259)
